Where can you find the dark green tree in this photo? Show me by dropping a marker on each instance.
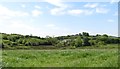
(86, 41)
(85, 34)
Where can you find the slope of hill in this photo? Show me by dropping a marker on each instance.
(73, 41)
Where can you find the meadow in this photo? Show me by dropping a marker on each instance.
(60, 58)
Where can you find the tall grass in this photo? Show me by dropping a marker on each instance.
(60, 58)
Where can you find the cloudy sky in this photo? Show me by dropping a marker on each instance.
(56, 18)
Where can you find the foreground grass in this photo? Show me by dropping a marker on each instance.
(60, 58)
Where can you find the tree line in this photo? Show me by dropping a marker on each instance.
(77, 40)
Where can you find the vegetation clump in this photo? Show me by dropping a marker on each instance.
(71, 41)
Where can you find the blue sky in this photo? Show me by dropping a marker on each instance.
(59, 18)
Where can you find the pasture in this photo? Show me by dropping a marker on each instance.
(60, 58)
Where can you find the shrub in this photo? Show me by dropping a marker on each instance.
(7, 42)
(101, 43)
(60, 44)
(92, 42)
(72, 47)
(14, 44)
(86, 41)
(78, 42)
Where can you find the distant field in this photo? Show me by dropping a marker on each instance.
(61, 58)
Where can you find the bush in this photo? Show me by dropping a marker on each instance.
(14, 44)
(86, 41)
(78, 42)
(72, 47)
(60, 44)
(92, 42)
(7, 42)
(101, 43)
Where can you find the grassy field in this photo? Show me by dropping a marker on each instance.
(60, 58)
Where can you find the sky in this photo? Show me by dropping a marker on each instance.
(56, 18)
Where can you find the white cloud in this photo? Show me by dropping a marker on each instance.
(37, 7)
(101, 10)
(57, 3)
(57, 11)
(56, 30)
(75, 12)
(60, 7)
(80, 12)
(52, 26)
(98, 8)
(5, 17)
(20, 24)
(91, 5)
(110, 20)
(17, 26)
(62, 11)
(1, 22)
(36, 12)
(23, 5)
(4, 11)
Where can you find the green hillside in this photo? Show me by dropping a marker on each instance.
(10, 41)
